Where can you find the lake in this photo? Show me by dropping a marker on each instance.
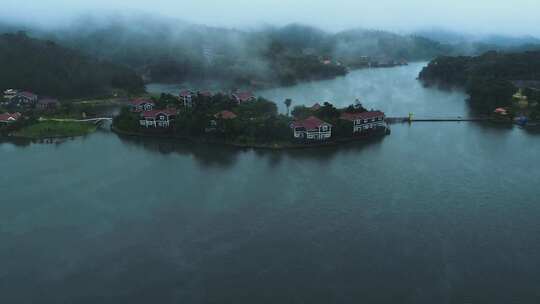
(434, 213)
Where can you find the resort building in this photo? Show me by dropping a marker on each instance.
(7, 118)
(10, 93)
(241, 97)
(141, 105)
(501, 111)
(225, 115)
(24, 98)
(311, 128)
(365, 121)
(186, 98)
(157, 118)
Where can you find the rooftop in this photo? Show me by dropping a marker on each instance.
(309, 123)
(154, 113)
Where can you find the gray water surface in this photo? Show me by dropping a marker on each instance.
(433, 213)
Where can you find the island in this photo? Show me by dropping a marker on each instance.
(244, 120)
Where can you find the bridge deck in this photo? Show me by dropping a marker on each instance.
(434, 119)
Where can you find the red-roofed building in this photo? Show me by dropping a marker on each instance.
(225, 115)
(158, 118)
(501, 111)
(365, 121)
(141, 105)
(311, 128)
(241, 97)
(186, 97)
(9, 117)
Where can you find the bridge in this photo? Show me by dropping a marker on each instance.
(411, 119)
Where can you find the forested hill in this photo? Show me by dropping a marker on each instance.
(46, 68)
(487, 78)
(168, 50)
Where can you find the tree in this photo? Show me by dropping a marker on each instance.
(328, 112)
(301, 112)
(288, 103)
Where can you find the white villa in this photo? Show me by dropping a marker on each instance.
(311, 128)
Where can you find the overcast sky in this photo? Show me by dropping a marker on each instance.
(517, 17)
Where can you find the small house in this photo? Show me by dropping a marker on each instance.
(365, 121)
(141, 105)
(24, 98)
(311, 128)
(226, 115)
(501, 111)
(10, 93)
(7, 118)
(186, 98)
(157, 118)
(47, 103)
(241, 97)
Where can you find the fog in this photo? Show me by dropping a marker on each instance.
(518, 17)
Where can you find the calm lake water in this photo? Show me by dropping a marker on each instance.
(433, 213)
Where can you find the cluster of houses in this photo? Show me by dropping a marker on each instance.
(151, 117)
(312, 128)
(26, 99)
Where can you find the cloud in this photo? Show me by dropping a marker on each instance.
(518, 17)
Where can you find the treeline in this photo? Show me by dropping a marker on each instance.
(46, 68)
(486, 78)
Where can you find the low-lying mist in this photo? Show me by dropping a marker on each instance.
(162, 49)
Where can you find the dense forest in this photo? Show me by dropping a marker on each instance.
(488, 78)
(46, 68)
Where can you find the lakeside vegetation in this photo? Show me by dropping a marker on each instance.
(489, 79)
(50, 129)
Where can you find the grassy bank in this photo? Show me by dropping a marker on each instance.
(48, 129)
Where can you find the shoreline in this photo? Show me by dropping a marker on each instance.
(259, 146)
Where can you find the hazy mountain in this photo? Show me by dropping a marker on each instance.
(165, 49)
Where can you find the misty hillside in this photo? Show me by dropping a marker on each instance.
(470, 45)
(170, 50)
(49, 69)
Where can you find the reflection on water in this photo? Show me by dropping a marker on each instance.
(211, 155)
